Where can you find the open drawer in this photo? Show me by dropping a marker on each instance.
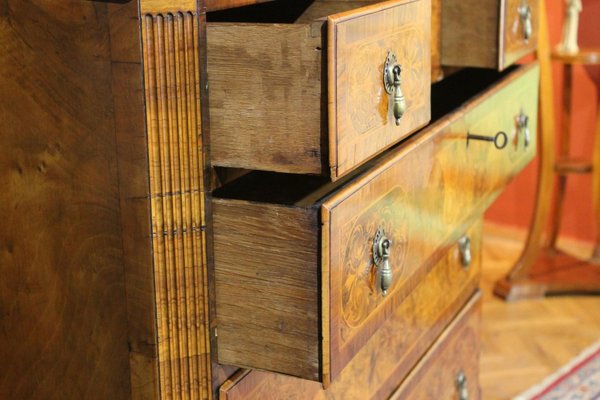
(307, 271)
(309, 87)
(488, 33)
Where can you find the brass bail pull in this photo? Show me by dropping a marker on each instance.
(392, 84)
(399, 103)
(461, 386)
(381, 259)
(464, 247)
(525, 15)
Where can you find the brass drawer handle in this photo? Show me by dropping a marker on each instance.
(392, 83)
(464, 248)
(525, 15)
(461, 386)
(381, 255)
(500, 140)
(523, 127)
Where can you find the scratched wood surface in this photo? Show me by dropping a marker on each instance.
(492, 31)
(392, 351)
(283, 125)
(62, 290)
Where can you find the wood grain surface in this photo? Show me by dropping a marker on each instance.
(513, 45)
(270, 83)
(130, 129)
(491, 30)
(392, 351)
(449, 185)
(265, 96)
(63, 312)
(266, 276)
(361, 121)
(455, 352)
(173, 120)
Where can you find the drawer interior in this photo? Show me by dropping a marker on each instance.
(303, 190)
(285, 12)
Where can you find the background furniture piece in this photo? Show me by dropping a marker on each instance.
(107, 289)
(543, 268)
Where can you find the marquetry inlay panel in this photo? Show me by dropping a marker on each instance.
(173, 118)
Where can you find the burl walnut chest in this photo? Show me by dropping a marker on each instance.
(277, 199)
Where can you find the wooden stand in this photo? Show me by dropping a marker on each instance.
(543, 269)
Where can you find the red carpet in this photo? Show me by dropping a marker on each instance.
(578, 380)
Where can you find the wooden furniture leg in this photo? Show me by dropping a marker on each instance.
(542, 269)
(596, 187)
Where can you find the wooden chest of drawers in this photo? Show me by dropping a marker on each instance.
(302, 265)
(179, 266)
(308, 96)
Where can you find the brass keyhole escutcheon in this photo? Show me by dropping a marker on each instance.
(392, 84)
(381, 259)
(523, 127)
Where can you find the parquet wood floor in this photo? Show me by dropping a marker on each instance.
(525, 341)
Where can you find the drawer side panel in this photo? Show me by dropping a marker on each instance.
(267, 287)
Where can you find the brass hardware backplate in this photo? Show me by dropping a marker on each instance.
(388, 72)
(381, 254)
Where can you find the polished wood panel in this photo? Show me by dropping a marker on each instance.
(283, 125)
(361, 121)
(134, 191)
(448, 184)
(391, 352)
(173, 120)
(491, 30)
(62, 290)
(455, 352)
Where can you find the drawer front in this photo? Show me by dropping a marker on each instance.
(496, 32)
(391, 352)
(422, 199)
(450, 369)
(519, 30)
(362, 122)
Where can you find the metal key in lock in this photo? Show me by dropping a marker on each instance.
(500, 140)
